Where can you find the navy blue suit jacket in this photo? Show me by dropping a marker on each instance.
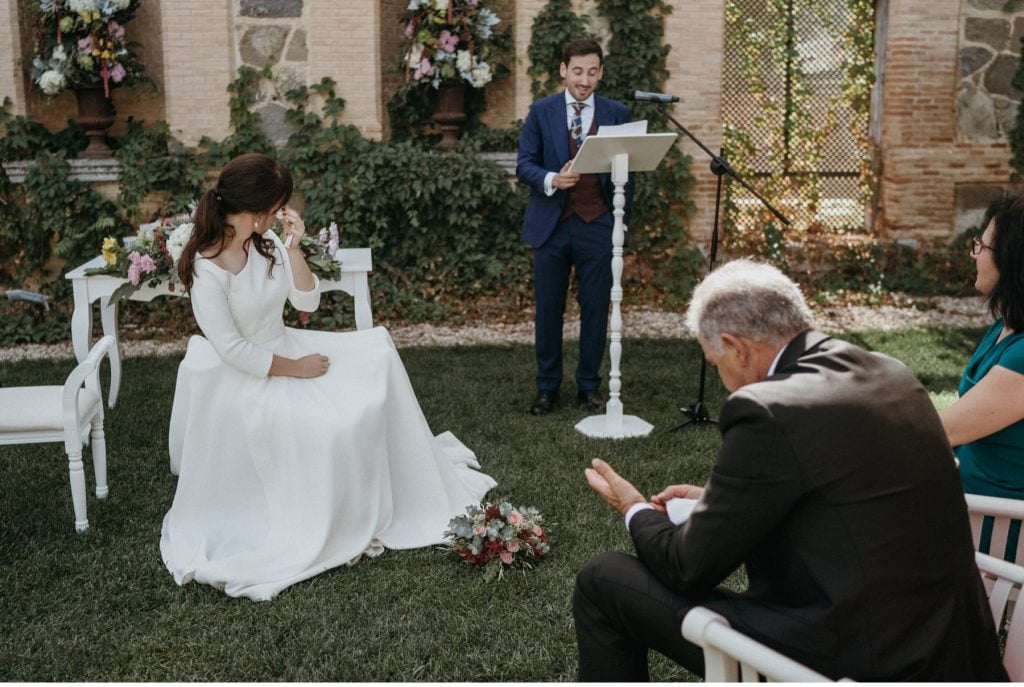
(543, 148)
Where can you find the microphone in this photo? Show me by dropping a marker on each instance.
(644, 96)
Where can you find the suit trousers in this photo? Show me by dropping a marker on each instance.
(622, 610)
(588, 247)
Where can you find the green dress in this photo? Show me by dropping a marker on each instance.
(994, 465)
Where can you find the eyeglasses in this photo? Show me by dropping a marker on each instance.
(976, 246)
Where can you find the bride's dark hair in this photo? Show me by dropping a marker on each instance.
(252, 182)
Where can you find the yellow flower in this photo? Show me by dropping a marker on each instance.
(110, 250)
(96, 15)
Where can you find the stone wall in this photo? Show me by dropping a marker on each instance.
(987, 100)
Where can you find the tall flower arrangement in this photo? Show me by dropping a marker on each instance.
(449, 41)
(83, 43)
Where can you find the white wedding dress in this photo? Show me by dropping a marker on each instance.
(283, 478)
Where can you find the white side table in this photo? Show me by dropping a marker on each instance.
(356, 264)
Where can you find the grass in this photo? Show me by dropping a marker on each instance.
(101, 606)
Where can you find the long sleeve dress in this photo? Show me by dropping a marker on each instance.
(282, 478)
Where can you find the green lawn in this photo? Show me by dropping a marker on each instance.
(101, 606)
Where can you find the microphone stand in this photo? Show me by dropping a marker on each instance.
(697, 412)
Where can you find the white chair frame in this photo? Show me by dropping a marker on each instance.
(1002, 511)
(731, 656)
(1004, 580)
(76, 430)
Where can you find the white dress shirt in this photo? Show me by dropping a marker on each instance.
(587, 115)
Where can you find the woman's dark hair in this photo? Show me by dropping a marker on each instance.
(252, 182)
(1006, 299)
(580, 47)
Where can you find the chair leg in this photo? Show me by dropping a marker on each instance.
(76, 474)
(99, 458)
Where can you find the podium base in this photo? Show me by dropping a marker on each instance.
(600, 427)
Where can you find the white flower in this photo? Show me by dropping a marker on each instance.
(52, 82)
(441, 4)
(484, 21)
(177, 240)
(416, 4)
(81, 6)
(122, 4)
(481, 75)
(58, 54)
(416, 54)
(464, 61)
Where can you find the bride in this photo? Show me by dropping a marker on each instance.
(297, 451)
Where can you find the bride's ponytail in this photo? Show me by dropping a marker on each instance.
(209, 227)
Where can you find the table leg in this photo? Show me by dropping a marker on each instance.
(108, 317)
(361, 301)
(81, 321)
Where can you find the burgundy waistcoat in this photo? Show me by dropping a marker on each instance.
(585, 198)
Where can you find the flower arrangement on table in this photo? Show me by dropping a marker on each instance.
(82, 43)
(151, 257)
(451, 41)
(498, 536)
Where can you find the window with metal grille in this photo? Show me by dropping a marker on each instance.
(797, 78)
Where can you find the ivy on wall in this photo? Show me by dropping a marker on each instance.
(554, 26)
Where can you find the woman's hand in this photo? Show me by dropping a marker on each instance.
(306, 367)
(293, 226)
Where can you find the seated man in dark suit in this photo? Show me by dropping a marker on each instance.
(835, 486)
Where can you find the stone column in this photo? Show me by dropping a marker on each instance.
(12, 80)
(526, 12)
(198, 65)
(343, 40)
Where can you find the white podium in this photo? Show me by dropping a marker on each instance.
(619, 155)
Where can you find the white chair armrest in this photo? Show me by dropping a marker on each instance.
(996, 506)
(86, 372)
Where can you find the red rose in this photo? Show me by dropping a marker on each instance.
(492, 512)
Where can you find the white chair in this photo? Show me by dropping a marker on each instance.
(1003, 580)
(731, 656)
(70, 413)
(1002, 511)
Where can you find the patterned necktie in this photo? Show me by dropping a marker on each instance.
(577, 123)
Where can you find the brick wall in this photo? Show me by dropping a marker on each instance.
(925, 162)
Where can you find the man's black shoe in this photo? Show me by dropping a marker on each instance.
(544, 403)
(591, 401)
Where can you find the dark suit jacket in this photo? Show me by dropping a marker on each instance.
(543, 148)
(835, 485)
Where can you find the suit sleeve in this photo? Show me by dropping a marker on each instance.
(754, 484)
(530, 162)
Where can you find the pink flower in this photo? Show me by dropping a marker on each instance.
(408, 30)
(506, 558)
(147, 265)
(117, 73)
(116, 30)
(537, 530)
(334, 231)
(479, 530)
(512, 545)
(472, 3)
(85, 44)
(134, 257)
(133, 274)
(515, 518)
(448, 41)
(423, 70)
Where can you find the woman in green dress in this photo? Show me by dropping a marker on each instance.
(986, 424)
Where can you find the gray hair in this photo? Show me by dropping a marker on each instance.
(749, 299)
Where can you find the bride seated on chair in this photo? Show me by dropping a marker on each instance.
(296, 450)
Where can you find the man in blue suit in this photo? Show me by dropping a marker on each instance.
(569, 223)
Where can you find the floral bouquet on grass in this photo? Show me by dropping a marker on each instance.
(147, 259)
(496, 536)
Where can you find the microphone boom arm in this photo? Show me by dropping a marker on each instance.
(722, 164)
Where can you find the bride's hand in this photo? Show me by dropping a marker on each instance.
(293, 226)
(312, 365)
